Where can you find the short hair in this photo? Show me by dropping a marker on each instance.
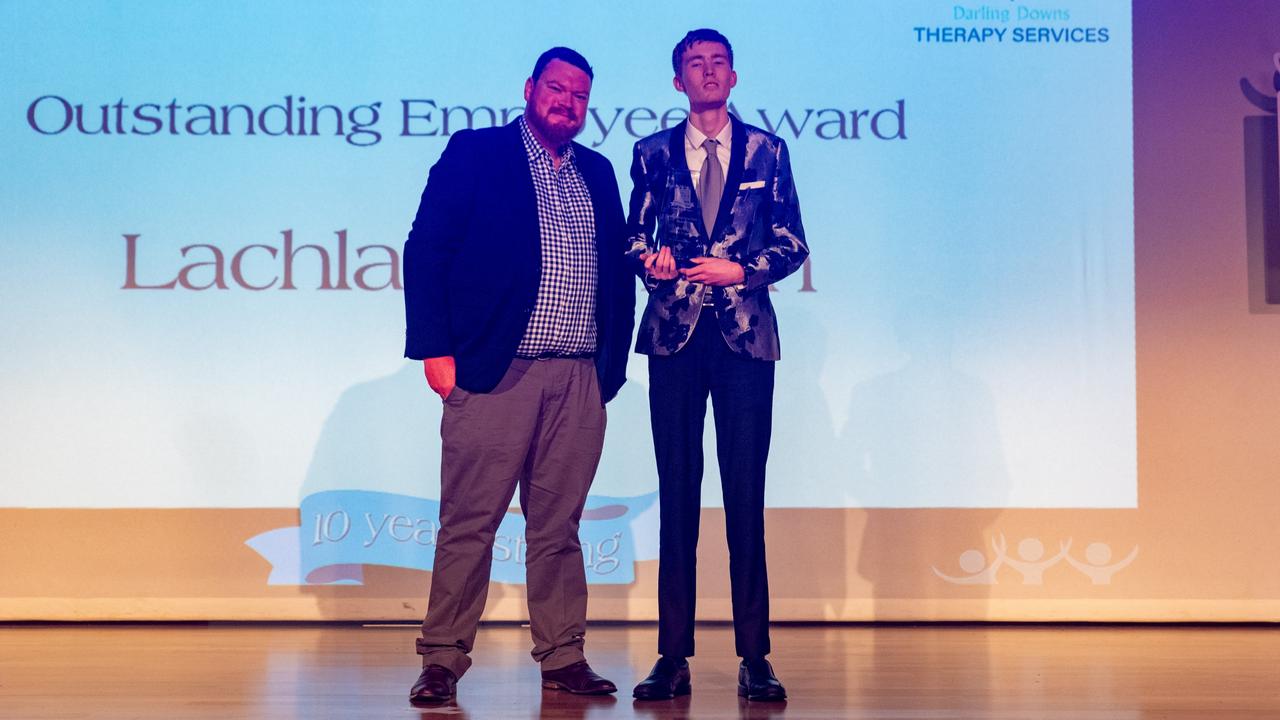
(564, 54)
(697, 36)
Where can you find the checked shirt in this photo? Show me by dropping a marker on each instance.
(563, 321)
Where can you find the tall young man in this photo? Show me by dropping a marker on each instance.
(714, 220)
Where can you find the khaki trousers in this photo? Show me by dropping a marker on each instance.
(541, 429)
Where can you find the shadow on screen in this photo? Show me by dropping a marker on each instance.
(384, 436)
(924, 431)
(808, 548)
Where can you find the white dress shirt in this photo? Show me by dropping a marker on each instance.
(694, 154)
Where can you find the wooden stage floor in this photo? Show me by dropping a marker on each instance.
(831, 671)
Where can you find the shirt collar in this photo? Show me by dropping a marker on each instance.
(537, 150)
(696, 137)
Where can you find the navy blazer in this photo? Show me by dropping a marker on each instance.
(757, 226)
(472, 262)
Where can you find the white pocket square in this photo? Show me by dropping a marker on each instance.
(751, 185)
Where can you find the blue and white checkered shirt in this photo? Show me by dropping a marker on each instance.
(563, 321)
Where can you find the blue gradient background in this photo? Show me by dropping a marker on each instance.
(970, 342)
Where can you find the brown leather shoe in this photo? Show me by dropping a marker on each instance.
(578, 679)
(756, 681)
(436, 684)
(669, 678)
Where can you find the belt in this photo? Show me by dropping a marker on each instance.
(715, 300)
(554, 355)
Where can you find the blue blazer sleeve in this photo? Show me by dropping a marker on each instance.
(438, 229)
(619, 289)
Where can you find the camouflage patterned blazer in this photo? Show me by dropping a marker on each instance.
(757, 226)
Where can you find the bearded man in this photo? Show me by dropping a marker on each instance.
(519, 302)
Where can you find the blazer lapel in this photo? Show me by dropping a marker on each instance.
(677, 159)
(524, 201)
(599, 203)
(678, 167)
(737, 158)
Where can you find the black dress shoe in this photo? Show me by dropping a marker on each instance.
(756, 681)
(435, 685)
(668, 678)
(578, 679)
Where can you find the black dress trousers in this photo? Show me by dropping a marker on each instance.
(741, 392)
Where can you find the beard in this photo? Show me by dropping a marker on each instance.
(558, 133)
